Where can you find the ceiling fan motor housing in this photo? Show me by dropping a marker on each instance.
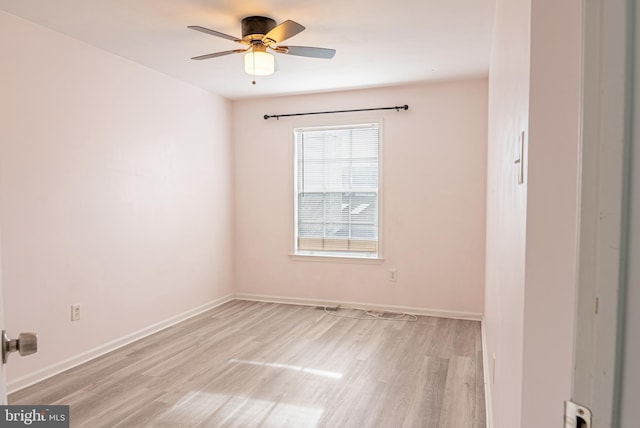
(255, 27)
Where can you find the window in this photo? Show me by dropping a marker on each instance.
(336, 190)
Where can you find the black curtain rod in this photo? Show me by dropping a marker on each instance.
(278, 116)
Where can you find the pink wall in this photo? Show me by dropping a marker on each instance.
(532, 228)
(434, 166)
(115, 193)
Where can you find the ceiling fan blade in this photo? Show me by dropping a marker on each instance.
(307, 51)
(283, 31)
(214, 33)
(217, 54)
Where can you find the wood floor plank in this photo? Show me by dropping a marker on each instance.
(251, 364)
(460, 389)
(480, 411)
(426, 401)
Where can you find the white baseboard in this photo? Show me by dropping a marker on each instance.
(487, 382)
(372, 306)
(42, 374)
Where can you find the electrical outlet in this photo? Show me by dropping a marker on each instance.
(393, 275)
(75, 312)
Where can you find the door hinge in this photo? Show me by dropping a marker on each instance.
(597, 304)
(576, 416)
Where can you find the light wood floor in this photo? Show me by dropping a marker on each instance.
(249, 364)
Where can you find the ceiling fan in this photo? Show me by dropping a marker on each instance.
(262, 35)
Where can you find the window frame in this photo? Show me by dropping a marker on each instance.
(335, 256)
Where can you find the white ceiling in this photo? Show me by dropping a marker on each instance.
(378, 43)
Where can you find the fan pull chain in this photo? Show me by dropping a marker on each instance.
(253, 60)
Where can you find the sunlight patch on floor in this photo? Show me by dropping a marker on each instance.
(211, 409)
(325, 373)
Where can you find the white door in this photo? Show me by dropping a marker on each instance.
(3, 387)
(604, 216)
(630, 372)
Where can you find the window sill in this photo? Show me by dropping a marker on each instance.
(336, 258)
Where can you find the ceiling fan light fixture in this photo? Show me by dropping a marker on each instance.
(260, 33)
(259, 63)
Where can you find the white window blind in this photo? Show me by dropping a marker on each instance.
(336, 190)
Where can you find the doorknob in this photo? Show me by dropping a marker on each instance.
(25, 344)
